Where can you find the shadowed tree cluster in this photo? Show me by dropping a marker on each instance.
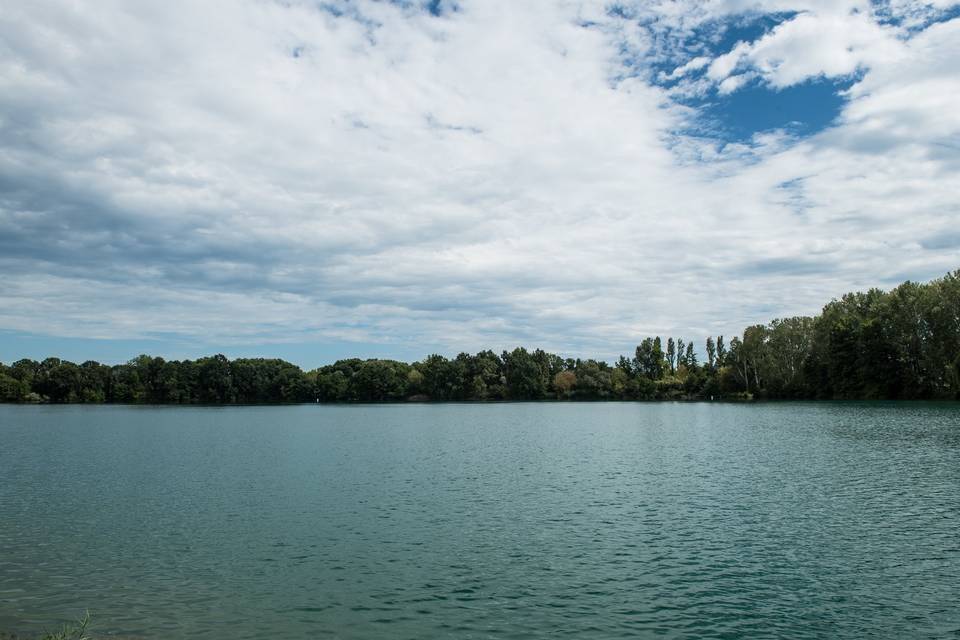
(901, 344)
(213, 380)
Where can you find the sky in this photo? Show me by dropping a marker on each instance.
(315, 180)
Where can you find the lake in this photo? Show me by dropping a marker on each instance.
(800, 520)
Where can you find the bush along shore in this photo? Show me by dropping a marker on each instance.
(72, 631)
(901, 344)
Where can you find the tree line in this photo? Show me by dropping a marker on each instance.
(901, 344)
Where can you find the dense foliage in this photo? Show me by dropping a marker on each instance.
(899, 344)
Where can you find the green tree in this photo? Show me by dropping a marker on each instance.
(649, 360)
(215, 380)
(721, 352)
(711, 353)
(11, 389)
(527, 374)
(690, 357)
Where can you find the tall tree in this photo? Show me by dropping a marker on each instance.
(648, 360)
(672, 355)
(690, 357)
(711, 353)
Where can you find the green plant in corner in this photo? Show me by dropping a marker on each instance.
(74, 631)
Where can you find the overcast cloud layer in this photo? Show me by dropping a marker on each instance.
(456, 176)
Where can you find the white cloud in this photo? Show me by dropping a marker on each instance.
(694, 64)
(811, 45)
(227, 171)
(911, 100)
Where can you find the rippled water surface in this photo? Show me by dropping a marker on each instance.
(483, 521)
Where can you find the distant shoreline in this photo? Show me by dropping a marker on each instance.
(898, 345)
(551, 401)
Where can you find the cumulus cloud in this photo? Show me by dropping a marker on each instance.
(810, 45)
(453, 176)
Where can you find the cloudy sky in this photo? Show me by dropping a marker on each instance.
(317, 179)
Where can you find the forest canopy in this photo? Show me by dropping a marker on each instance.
(901, 344)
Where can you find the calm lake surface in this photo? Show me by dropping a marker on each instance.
(483, 521)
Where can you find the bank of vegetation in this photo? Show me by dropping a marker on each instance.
(71, 631)
(901, 344)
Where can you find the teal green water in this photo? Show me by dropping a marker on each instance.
(483, 521)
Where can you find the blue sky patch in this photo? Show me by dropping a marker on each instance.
(673, 49)
(800, 110)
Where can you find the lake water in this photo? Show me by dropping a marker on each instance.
(483, 521)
